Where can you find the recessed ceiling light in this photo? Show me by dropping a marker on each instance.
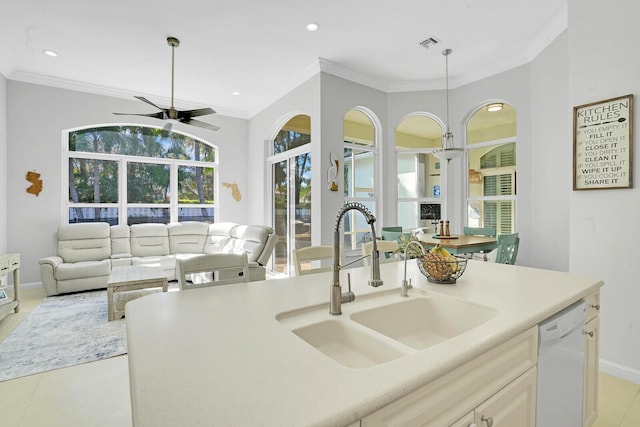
(494, 107)
(236, 93)
(312, 26)
(50, 53)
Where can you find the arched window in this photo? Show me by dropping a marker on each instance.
(359, 174)
(491, 188)
(419, 190)
(134, 174)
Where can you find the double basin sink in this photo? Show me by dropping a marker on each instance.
(384, 326)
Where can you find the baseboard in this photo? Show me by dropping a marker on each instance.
(620, 371)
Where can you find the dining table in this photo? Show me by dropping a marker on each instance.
(460, 243)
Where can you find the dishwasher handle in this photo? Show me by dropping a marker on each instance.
(563, 323)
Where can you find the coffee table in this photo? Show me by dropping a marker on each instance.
(132, 278)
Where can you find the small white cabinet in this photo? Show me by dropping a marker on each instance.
(591, 360)
(499, 384)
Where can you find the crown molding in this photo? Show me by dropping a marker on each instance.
(60, 83)
(343, 72)
(291, 84)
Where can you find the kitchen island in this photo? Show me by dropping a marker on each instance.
(223, 356)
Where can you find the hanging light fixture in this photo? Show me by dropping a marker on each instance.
(448, 151)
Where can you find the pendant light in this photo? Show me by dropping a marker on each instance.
(448, 150)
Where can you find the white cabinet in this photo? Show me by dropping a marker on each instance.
(591, 360)
(514, 405)
(499, 384)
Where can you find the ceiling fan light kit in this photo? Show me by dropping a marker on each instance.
(182, 116)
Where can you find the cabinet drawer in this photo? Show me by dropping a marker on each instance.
(445, 400)
(593, 306)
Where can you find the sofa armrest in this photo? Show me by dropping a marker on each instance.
(48, 267)
(53, 261)
(269, 246)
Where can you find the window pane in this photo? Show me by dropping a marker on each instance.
(492, 170)
(356, 229)
(140, 141)
(359, 173)
(492, 213)
(143, 215)
(295, 133)
(196, 185)
(196, 214)
(358, 128)
(93, 181)
(86, 214)
(418, 176)
(302, 194)
(418, 132)
(491, 126)
(147, 183)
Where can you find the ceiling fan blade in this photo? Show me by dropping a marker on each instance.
(197, 112)
(143, 99)
(159, 115)
(198, 123)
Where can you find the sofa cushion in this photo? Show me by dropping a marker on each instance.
(218, 237)
(250, 239)
(83, 269)
(120, 243)
(187, 237)
(149, 240)
(89, 241)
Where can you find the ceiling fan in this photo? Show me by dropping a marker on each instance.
(182, 116)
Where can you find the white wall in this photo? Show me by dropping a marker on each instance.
(551, 157)
(604, 228)
(3, 164)
(37, 115)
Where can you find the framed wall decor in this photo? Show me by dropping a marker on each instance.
(603, 144)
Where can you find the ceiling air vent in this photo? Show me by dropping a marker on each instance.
(427, 43)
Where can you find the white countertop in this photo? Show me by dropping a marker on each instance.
(218, 356)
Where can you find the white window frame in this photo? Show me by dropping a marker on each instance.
(123, 160)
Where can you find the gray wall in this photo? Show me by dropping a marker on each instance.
(3, 164)
(604, 226)
(37, 117)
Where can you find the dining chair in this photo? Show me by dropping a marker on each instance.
(305, 256)
(386, 247)
(479, 231)
(212, 270)
(391, 233)
(507, 250)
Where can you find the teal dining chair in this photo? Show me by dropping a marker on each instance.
(480, 231)
(507, 250)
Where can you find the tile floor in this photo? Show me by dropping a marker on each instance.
(97, 394)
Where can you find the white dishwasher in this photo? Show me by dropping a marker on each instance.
(560, 368)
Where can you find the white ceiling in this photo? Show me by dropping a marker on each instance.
(262, 49)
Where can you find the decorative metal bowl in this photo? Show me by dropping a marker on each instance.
(439, 270)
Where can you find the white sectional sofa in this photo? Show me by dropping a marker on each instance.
(86, 252)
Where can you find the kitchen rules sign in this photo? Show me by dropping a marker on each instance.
(603, 144)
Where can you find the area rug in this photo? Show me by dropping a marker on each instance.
(62, 331)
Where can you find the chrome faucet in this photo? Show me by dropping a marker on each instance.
(337, 297)
(407, 285)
